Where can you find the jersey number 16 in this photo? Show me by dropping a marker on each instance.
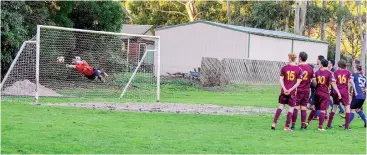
(291, 75)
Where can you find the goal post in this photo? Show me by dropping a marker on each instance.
(132, 76)
(127, 65)
(22, 47)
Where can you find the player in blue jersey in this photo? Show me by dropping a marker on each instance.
(359, 95)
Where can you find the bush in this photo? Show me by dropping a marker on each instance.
(181, 82)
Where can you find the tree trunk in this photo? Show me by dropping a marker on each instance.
(339, 34)
(286, 28)
(363, 52)
(191, 11)
(229, 12)
(296, 18)
(303, 18)
(365, 47)
(323, 29)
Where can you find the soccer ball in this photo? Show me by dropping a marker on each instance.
(60, 59)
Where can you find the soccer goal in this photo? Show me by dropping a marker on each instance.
(121, 66)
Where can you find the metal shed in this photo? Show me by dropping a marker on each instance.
(183, 46)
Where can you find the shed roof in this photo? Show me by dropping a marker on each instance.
(263, 32)
(135, 29)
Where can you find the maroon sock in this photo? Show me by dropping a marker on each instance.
(347, 118)
(312, 114)
(294, 117)
(277, 114)
(321, 119)
(303, 117)
(331, 117)
(289, 118)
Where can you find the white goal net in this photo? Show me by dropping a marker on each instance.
(84, 65)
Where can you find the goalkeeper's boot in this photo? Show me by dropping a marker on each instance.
(102, 79)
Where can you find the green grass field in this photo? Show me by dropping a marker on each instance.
(34, 129)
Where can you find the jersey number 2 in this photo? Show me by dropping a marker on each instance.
(305, 75)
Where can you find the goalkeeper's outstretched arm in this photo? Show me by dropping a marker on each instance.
(71, 66)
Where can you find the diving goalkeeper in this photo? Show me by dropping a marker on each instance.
(88, 71)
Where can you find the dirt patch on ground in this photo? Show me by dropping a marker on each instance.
(27, 88)
(173, 108)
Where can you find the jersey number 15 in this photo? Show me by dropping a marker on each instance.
(291, 75)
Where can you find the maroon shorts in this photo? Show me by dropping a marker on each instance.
(302, 98)
(288, 99)
(344, 100)
(322, 101)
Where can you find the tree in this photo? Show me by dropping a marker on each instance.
(296, 18)
(190, 9)
(97, 15)
(363, 52)
(157, 13)
(315, 17)
(19, 20)
(323, 29)
(160, 13)
(268, 15)
(339, 33)
(229, 12)
(13, 32)
(303, 17)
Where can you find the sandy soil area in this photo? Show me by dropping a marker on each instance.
(177, 108)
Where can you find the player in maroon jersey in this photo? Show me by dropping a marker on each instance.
(323, 78)
(290, 78)
(303, 90)
(342, 76)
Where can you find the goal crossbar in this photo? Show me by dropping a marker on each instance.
(96, 32)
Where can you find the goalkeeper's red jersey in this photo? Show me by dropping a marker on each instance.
(84, 68)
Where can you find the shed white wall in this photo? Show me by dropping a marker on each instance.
(183, 47)
(311, 48)
(269, 48)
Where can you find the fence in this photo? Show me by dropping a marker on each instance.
(239, 71)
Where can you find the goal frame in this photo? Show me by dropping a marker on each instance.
(157, 49)
(15, 61)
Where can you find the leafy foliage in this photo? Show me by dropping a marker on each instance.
(268, 15)
(13, 31)
(19, 20)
